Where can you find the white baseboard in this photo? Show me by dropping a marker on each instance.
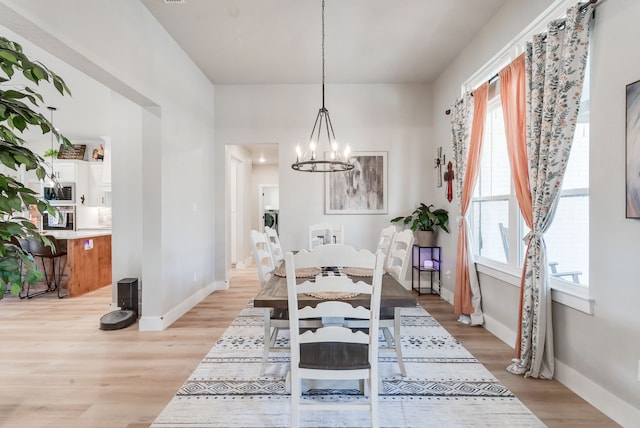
(159, 323)
(220, 285)
(446, 295)
(619, 410)
(499, 330)
(612, 406)
(244, 263)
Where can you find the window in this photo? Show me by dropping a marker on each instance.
(492, 196)
(498, 228)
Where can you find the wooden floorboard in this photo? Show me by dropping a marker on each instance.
(60, 370)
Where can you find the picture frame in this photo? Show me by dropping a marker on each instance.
(75, 151)
(632, 150)
(362, 190)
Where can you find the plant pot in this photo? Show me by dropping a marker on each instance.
(425, 238)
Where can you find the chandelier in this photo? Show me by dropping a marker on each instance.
(309, 160)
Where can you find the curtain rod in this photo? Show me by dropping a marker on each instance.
(583, 8)
(495, 76)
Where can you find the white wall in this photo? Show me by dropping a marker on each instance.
(597, 355)
(119, 44)
(391, 118)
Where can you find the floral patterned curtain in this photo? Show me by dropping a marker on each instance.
(467, 297)
(555, 65)
(461, 132)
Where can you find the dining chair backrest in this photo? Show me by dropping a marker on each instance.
(317, 233)
(261, 256)
(334, 352)
(385, 240)
(274, 244)
(399, 255)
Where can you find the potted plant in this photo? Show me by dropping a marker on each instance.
(17, 114)
(51, 153)
(424, 221)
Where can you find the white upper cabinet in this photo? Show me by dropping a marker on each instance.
(96, 194)
(89, 184)
(106, 165)
(64, 171)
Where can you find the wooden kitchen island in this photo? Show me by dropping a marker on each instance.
(88, 264)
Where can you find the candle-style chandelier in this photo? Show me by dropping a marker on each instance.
(312, 159)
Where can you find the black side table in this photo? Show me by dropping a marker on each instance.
(425, 259)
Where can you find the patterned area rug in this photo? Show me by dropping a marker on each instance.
(445, 385)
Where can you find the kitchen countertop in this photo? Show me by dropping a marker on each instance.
(77, 234)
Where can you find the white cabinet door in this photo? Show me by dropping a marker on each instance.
(96, 195)
(64, 171)
(106, 166)
(88, 184)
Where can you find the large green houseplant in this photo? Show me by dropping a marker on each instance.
(17, 114)
(424, 221)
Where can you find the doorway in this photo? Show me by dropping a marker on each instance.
(269, 203)
(250, 167)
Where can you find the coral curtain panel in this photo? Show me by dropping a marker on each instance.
(555, 65)
(467, 299)
(513, 96)
(514, 107)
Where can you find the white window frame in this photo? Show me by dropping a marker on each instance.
(576, 296)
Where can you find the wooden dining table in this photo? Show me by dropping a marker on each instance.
(394, 295)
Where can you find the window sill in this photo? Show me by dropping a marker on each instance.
(572, 295)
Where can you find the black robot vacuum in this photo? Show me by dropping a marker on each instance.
(116, 320)
(128, 303)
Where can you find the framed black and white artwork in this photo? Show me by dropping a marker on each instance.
(362, 190)
(633, 150)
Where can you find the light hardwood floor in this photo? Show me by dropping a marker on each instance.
(60, 370)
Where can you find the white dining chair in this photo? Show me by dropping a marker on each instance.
(274, 321)
(274, 245)
(318, 231)
(334, 352)
(397, 265)
(399, 257)
(385, 240)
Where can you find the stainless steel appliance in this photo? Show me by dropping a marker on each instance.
(65, 220)
(270, 218)
(59, 193)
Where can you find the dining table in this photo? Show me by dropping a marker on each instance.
(394, 295)
(393, 298)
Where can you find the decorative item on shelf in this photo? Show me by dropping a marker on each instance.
(424, 221)
(98, 154)
(74, 151)
(448, 177)
(309, 161)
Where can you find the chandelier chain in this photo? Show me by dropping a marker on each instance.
(323, 54)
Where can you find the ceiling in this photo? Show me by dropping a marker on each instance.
(243, 42)
(279, 41)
